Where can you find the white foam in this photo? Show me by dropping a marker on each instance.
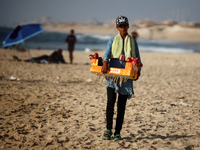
(165, 49)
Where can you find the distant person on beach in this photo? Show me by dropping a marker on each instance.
(71, 41)
(122, 43)
(134, 34)
(55, 57)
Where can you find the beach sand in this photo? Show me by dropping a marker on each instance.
(62, 106)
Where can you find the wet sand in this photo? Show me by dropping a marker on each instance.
(62, 106)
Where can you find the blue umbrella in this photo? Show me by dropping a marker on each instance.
(22, 33)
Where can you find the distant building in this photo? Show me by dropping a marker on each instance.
(189, 24)
(147, 23)
(169, 22)
(193, 24)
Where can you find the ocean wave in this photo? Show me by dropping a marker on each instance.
(92, 38)
(165, 49)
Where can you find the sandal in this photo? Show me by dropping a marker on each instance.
(117, 137)
(107, 135)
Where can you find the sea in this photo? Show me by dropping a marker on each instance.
(87, 42)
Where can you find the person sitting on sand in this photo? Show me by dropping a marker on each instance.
(55, 57)
(122, 43)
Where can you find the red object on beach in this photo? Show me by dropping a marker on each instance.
(132, 58)
(91, 56)
(137, 59)
(134, 61)
(96, 55)
(140, 65)
(128, 59)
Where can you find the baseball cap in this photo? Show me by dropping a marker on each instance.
(121, 20)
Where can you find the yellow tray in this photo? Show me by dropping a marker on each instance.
(128, 72)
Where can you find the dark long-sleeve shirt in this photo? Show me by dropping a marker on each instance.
(56, 58)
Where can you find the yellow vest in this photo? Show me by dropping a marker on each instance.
(117, 46)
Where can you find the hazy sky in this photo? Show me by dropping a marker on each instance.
(16, 11)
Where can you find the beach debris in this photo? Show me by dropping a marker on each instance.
(47, 108)
(172, 105)
(12, 78)
(89, 80)
(181, 97)
(1, 77)
(44, 107)
(180, 103)
(87, 49)
(144, 93)
(56, 82)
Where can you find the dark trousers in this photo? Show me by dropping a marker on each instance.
(121, 106)
(37, 59)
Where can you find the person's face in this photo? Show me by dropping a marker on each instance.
(134, 35)
(123, 29)
(71, 33)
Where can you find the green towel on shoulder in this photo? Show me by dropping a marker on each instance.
(117, 46)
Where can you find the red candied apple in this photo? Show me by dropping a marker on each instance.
(96, 55)
(137, 59)
(140, 65)
(91, 56)
(128, 59)
(134, 61)
(132, 58)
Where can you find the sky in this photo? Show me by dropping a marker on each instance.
(13, 12)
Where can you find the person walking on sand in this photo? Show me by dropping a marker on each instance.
(122, 43)
(71, 41)
(134, 34)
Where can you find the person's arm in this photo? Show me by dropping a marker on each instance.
(137, 53)
(107, 56)
(51, 57)
(66, 40)
(75, 40)
(62, 59)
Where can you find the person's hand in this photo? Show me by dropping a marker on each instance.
(105, 67)
(138, 74)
